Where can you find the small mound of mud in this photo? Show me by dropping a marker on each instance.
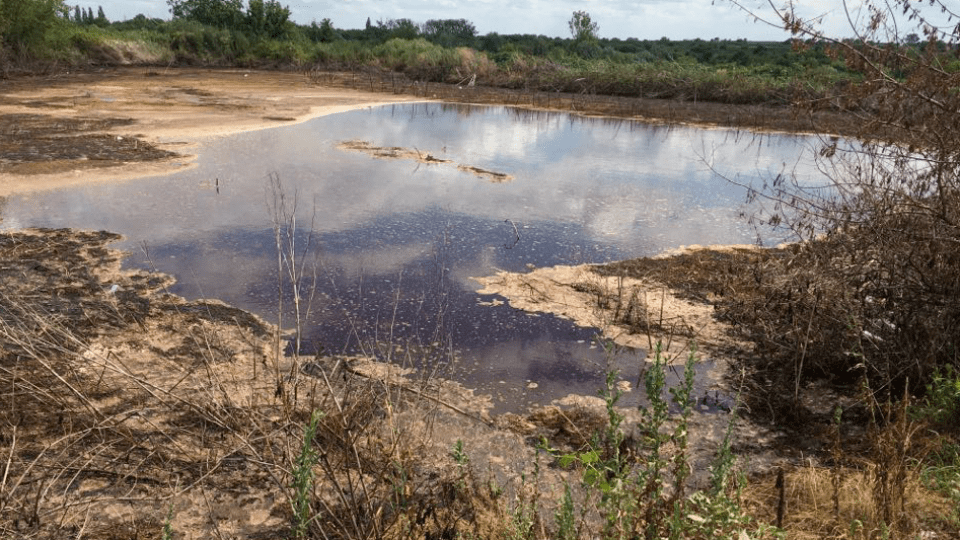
(493, 176)
(40, 144)
(390, 152)
(700, 274)
(397, 152)
(633, 312)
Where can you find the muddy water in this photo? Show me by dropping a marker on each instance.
(390, 245)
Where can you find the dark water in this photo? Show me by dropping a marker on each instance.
(390, 246)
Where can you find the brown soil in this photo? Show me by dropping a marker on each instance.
(37, 144)
(632, 311)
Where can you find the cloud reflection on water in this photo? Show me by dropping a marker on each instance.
(585, 190)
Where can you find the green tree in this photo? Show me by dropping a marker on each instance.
(582, 27)
(24, 23)
(277, 18)
(77, 15)
(220, 13)
(450, 32)
(325, 31)
(398, 28)
(268, 19)
(101, 17)
(256, 18)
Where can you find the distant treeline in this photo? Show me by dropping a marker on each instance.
(271, 19)
(259, 33)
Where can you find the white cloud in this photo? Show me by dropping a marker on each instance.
(648, 19)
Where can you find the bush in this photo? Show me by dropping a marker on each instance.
(941, 405)
(24, 23)
(874, 292)
(418, 58)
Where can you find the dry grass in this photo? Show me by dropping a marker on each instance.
(810, 497)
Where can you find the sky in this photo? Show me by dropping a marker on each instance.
(642, 19)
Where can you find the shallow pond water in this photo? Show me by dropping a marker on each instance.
(394, 242)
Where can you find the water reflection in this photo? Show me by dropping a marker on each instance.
(397, 242)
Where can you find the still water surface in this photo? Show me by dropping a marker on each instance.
(395, 242)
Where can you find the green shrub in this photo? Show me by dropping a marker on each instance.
(25, 23)
(418, 58)
(632, 490)
(941, 405)
(302, 498)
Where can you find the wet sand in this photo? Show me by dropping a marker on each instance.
(126, 123)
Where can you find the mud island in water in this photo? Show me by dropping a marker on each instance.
(127, 409)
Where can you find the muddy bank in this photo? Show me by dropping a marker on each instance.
(123, 123)
(136, 406)
(632, 311)
(765, 118)
(35, 144)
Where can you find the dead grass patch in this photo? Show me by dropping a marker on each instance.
(838, 502)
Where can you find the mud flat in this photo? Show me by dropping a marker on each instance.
(124, 123)
(632, 312)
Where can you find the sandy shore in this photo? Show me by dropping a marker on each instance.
(172, 110)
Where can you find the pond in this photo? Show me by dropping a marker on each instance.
(390, 245)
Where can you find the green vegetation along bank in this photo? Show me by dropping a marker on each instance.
(48, 34)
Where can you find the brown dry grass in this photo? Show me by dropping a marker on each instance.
(810, 496)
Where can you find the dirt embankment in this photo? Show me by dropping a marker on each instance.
(632, 312)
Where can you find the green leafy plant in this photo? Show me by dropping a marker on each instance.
(565, 517)
(524, 515)
(635, 499)
(303, 478)
(941, 472)
(167, 532)
(942, 402)
(461, 459)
